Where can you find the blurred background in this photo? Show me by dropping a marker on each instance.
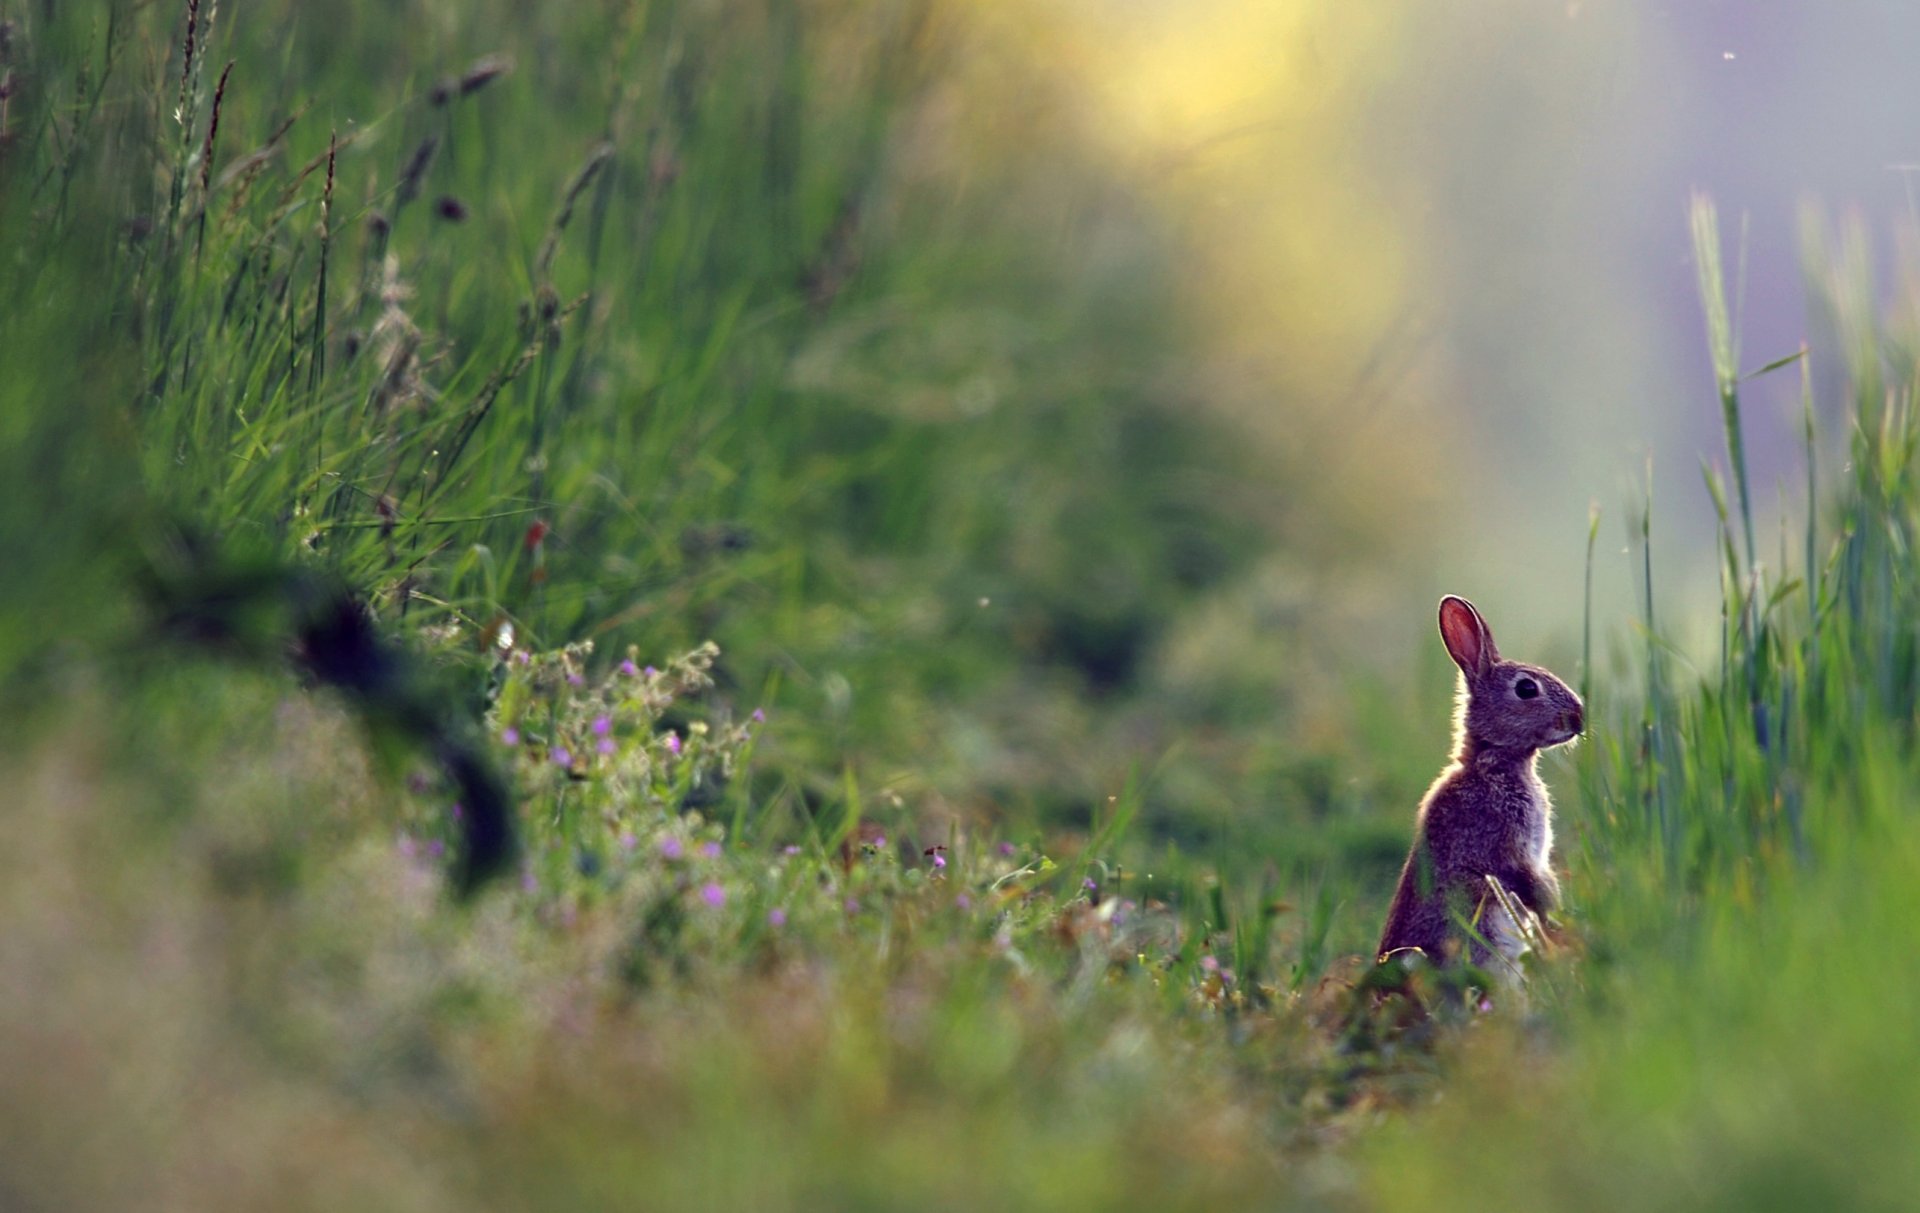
(1467, 231)
(1062, 415)
(1021, 395)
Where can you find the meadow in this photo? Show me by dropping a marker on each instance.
(632, 605)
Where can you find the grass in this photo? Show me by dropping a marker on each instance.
(699, 302)
(1743, 880)
(666, 324)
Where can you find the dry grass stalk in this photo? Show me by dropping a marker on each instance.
(414, 172)
(213, 128)
(483, 71)
(186, 58)
(396, 341)
(550, 245)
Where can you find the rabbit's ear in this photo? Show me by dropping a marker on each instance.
(1468, 639)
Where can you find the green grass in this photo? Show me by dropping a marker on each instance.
(1743, 866)
(989, 860)
(738, 311)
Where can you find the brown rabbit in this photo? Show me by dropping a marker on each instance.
(1478, 873)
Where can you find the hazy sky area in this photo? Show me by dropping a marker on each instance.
(1565, 287)
(1466, 224)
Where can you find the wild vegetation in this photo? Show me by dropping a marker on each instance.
(590, 621)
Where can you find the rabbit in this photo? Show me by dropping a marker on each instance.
(1478, 875)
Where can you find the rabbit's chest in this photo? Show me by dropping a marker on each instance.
(1536, 814)
(1526, 817)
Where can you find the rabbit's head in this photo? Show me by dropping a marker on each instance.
(1503, 704)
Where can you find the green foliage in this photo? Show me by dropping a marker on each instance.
(1743, 878)
(632, 328)
(652, 325)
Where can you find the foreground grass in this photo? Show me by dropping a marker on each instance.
(1744, 869)
(254, 989)
(718, 970)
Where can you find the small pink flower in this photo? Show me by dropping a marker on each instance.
(776, 917)
(710, 850)
(602, 725)
(509, 736)
(575, 680)
(1209, 964)
(939, 861)
(650, 672)
(629, 669)
(759, 716)
(522, 656)
(1006, 848)
(852, 905)
(670, 847)
(713, 894)
(790, 850)
(627, 840)
(561, 756)
(606, 746)
(673, 743)
(963, 902)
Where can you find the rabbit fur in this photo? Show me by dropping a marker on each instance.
(1478, 877)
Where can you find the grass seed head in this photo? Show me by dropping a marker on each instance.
(415, 172)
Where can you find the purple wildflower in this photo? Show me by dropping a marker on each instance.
(790, 849)
(436, 848)
(963, 902)
(562, 757)
(509, 736)
(575, 680)
(1088, 884)
(670, 847)
(776, 917)
(606, 745)
(651, 672)
(602, 725)
(713, 894)
(939, 861)
(459, 814)
(710, 850)
(853, 905)
(759, 716)
(522, 656)
(673, 743)
(1209, 964)
(627, 840)
(628, 668)
(1006, 848)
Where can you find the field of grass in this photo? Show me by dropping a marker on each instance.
(807, 743)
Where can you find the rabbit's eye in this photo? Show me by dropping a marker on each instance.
(1526, 688)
